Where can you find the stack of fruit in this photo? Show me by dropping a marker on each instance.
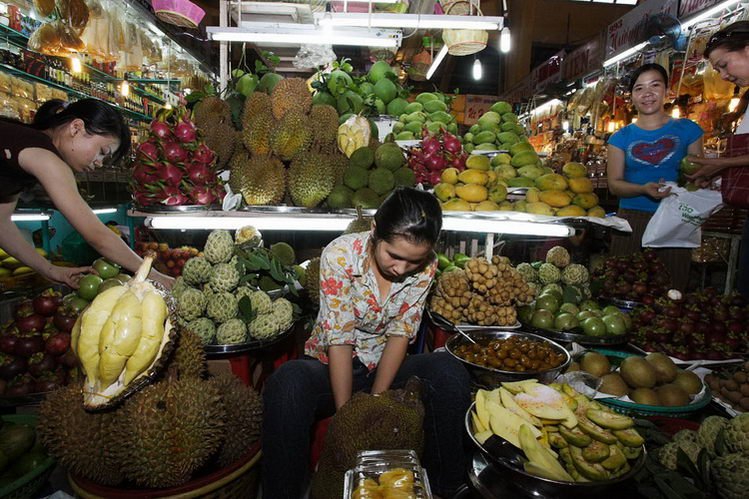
(174, 166)
(172, 260)
(447, 264)
(640, 277)
(12, 267)
(215, 301)
(731, 385)
(370, 177)
(435, 154)
(571, 281)
(651, 380)
(483, 293)
(21, 452)
(428, 114)
(474, 189)
(497, 129)
(564, 435)
(35, 346)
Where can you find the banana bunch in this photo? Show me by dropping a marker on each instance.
(120, 336)
(353, 134)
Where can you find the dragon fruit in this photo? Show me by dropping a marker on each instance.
(160, 129)
(202, 195)
(186, 132)
(434, 154)
(199, 174)
(204, 155)
(149, 150)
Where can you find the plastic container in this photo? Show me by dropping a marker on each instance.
(381, 467)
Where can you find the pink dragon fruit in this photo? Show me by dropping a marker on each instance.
(144, 174)
(199, 174)
(170, 174)
(204, 155)
(185, 132)
(174, 153)
(160, 129)
(148, 151)
(172, 196)
(202, 195)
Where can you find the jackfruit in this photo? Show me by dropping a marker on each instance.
(366, 199)
(324, 121)
(292, 135)
(381, 181)
(257, 103)
(257, 132)
(389, 156)
(310, 179)
(261, 179)
(405, 177)
(290, 93)
(355, 177)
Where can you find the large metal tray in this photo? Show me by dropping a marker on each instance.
(618, 302)
(582, 339)
(442, 322)
(250, 346)
(185, 208)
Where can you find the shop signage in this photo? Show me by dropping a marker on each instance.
(629, 30)
(688, 7)
(550, 71)
(582, 61)
(476, 106)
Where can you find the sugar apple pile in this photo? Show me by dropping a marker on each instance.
(571, 280)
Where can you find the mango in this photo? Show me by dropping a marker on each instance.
(478, 162)
(501, 107)
(11, 263)
(444, 191)
(413, 107)
(487, 205)
(450, 175)
(473, 177)
(489, 118)
(491, 176)
(597, 211)
(508, 138)
(40, 251)
(441, 117)
(539, 208)
(456, 205)
(530, 171)
(5, 272)
(473, 193)
(524, 158)
(555, 198)
(497, 192)
(435, 105)
(506, 171)
(3, 254)
(501, 159)
(580, 185)
(571, 211)
(551, 181)
(511, 117)
(486, 146)
(531, 195)
(425, 97)
(521, 205)
(482, 137)
(520, 147)
(574, 170)
(505, 206)
(586, 200)
(519, 182)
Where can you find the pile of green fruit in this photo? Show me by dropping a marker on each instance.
(447, 264)
(20, 454)
(107, 275)
(496, 129)
(431, 112)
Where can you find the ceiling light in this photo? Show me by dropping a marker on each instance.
(437, 60)
(505, 41)
(477, 69)
(623, 55)
(707, 14)
(415, 21)
(30, 217)
(104, 211)
(542, 108)
(296, 34)
(125, 88)
(75, 65)
(488, 225)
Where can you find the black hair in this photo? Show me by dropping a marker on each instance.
(645, 68)
(732, 38)
(411, 214)
(98, 117)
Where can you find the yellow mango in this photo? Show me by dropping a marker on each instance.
(587, 200)
(478, 162)
(491, 176)
(571, 211)
(487, 206)
(473, 177)
(555, 198)
(596, 211)
(5, 272)
(520, 205)
(11, 263)
(539, 208)
(444, 191)
(450, 175)
(551, 181)
(574, 170)
(505, 206)
(580, 185)
(473, 193)
(498, 192)
(531, 195)
(3, 254)
(456, 204)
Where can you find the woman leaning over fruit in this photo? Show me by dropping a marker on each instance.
(65, 138)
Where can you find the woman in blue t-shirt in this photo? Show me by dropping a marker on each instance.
(641, 157)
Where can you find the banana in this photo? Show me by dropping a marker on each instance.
(154, 313)
(91, 322)
(119, 337)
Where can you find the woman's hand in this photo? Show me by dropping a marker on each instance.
(66, 275)
(655, 189)
(710, 168)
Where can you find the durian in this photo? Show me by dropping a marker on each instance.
(310, 179)
(188, 359)
(325, 121)
(312, 281)
(257, 103)
(82, 441)
(338, 163)
(222, 139)
(290, 93)
(359, 224)
(169, 430)
(244, 417)
(292, 135)
(261, 180)
(211, 111)
(257, 133)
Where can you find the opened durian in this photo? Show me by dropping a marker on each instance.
(122, 339)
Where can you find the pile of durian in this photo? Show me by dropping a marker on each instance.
(161, 435)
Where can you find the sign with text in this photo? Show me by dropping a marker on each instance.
(476, 106)
(629, 30)
(550, 71)
(688, 7)
(582, 60)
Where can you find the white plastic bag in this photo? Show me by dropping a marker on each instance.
(677, 221)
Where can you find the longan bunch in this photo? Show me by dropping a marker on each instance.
(453, 294)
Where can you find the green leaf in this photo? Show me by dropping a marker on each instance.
(348, 68)
(720, 443)
(666, 490)
(245, 309)
(276, 271)
(194, 97)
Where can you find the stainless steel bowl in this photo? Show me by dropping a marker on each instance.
(535, 486)
(491, 378)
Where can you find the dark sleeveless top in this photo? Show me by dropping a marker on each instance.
(14, 138)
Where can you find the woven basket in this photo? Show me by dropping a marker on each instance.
(236, 481)
(463, 41)
(31, 483)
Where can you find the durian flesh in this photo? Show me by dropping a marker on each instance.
(120, 338)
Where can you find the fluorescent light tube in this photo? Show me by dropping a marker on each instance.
(477, 69)
(506, 227)
(289, 222)
(505, 40)
(29, 217)
(549, 104)
(623, 55)
(104, 211)
(437, 60)
(708, 13)
(416, 21)
(298, 34)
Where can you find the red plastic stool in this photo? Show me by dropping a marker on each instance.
(319, 431)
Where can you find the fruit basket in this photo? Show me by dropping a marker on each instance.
(633, 409)
(32, 482)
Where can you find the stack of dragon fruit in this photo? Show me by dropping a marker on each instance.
(434, 154)
(174, 166)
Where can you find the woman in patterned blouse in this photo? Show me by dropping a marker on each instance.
(373, 288)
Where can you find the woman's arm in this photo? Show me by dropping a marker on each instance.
(15, 245)
(713, 166)
(390, 362)
(623, 189)
(59, 183)
(341, 373)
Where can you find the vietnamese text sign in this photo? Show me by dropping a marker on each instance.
(629, 30)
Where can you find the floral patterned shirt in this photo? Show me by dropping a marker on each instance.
(350, 308)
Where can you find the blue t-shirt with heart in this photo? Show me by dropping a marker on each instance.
(651, 155)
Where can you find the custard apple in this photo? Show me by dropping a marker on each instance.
(243, 291)
(179, 287)
(737, 434)
(558, 256)
(528, 273)
(222, 306)
(283, 311)
(686, 436)
(191, 304)
(708, 432)
(575, 273)
(219, 246)
(196, 271)
(731, 475)
(248, 237)
(549, 274)
(203, 327)
(224, 277)
(231, 332)
(667, 454)
(264, 327)
(260, 302)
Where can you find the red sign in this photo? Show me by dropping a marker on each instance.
(476, 106)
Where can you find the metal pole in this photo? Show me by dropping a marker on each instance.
(223, 21)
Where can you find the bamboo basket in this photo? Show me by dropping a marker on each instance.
(463, 41)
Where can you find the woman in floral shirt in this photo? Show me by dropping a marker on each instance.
(373, 288)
